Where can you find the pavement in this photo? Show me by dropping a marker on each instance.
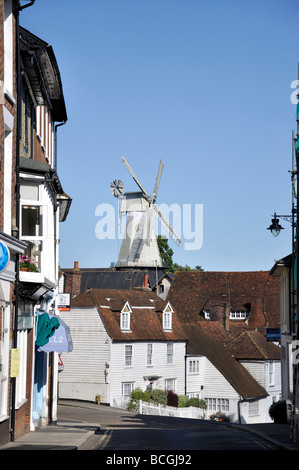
(74, 435)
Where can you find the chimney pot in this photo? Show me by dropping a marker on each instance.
(76, 265)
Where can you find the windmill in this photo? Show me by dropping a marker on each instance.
(139, 247)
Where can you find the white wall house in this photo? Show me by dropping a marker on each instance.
(243, 390)
(122, 340)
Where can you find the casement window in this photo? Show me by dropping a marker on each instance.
(33, 213)
(33, 221)
(207, 314)
(4, 361)
(217, 404)
(128, 355)
(271, 375)
(32, 225)
(253, 408)
(238, 314)
(170, 384)
(149, 355)
(126, 389)
(167, 318)
(170, 353)
(125, 317)
(193, 366)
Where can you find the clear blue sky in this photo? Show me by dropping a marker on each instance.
(203, 85)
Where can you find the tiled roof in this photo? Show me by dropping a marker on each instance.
(252, 345)
(146, 316)
(110, 278)
(202, 341)
(256, 291)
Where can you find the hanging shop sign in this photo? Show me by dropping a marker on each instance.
(63, 302)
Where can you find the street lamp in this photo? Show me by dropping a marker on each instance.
(275, 227)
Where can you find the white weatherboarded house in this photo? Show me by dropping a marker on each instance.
(239, 377)
(230, 364)
(122, 340)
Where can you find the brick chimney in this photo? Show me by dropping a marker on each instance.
(219, 311)
(73, 281)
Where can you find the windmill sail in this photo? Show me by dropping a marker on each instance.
(139, 247)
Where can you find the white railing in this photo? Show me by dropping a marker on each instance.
(160, 410)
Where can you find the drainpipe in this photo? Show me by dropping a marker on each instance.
(55, 143)
(17, 196)
(186, 356)
(239, 409)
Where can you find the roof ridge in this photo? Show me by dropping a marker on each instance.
(255, 343)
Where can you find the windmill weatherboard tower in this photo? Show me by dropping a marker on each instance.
(139, 247)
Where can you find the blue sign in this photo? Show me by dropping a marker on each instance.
(272, 334)
(4, 256)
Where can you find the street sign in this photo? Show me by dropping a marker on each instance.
(60, 363)
(272, 334)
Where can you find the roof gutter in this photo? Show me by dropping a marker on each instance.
(20, 8)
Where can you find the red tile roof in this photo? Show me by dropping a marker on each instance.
(146, 316)
(252, 345)
(203, 342)
(257, 291)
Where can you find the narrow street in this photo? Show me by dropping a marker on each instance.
(120, 430)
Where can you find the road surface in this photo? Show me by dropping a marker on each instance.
(121, 430)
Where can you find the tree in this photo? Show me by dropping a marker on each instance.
(166, 254)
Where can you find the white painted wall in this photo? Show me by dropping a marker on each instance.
(139, 370)
(83, 376)
(210, 383)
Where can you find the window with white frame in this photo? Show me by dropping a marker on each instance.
(4, 361)
(128, 355)
(33, 212)
(170, 384)
(149, 354)
(238, 314)
(271, 374)
(217, 404)
(207, 314)
(167, 317)
(33, 221)
(126, 389)
(170, 353)
(253, 408)
(125, 317)
(193, 366)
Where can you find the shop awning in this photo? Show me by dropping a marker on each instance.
(46, 327)
(60, 341)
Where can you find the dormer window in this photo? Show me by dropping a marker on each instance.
(167, 318)
(125, 317)
(238, 314)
